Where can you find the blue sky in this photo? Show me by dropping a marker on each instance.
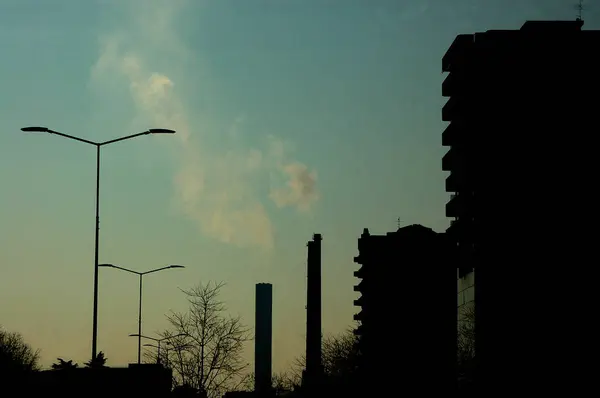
(293, 118)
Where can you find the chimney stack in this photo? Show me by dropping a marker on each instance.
(313, 313)
(263, 340)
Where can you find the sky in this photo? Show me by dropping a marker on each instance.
(293, 117)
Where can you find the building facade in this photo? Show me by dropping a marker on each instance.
(406, 315)
(522, 119)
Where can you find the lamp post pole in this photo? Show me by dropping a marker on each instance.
(98, 145)
(141, 275)
(140, 322)
(96, 246)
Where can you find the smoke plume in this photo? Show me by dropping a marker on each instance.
(215, 188)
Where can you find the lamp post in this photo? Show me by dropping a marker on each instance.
(141, 275)
(98, 145)
(158, 341)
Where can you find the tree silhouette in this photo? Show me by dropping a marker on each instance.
(15, 354)
(465, 354)
(185, 391)
(98, 362)
(208, 355)
(339, 356)
(281, 382)
(62, 364)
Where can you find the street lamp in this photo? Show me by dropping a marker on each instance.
(141, 275)
(158, 341)
(98, 145)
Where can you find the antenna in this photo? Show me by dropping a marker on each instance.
(399, 222)
(579, 8)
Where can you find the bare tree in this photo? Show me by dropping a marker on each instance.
(208, 355)
(338, 355)
(466, 334)
(281, 382)
(15, 354)
(465, 353)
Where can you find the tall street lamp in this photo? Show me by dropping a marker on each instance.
(98, 145)
(141, 275)
(158, 341)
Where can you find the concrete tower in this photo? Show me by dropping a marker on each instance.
(264, 337)
(313, 313)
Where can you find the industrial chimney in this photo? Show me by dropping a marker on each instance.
(313, 313)
(263, 340)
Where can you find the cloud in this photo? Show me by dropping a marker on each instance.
(301, 189)
(218, 189)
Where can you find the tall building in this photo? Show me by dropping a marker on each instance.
(313, 373)
(522, 121)
(263, 341)
(407, 330)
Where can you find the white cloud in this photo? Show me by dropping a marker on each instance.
(217, 189)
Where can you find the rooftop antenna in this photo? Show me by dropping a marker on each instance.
(579, 8)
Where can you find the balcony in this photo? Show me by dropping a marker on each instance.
(448, 85)
(454, 228)
(456, 54)
(358, 317)
(449, 159)
(461, 230)
(453, 206)
(450, 134)
(454, 182)
(359, 287)
(450, 108)
(360, 273)
(460, 205)
(358, 331)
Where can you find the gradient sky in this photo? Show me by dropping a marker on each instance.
(294, 117)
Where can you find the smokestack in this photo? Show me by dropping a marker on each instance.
(313, 312)
(263, 340)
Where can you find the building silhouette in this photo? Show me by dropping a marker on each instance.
(263, 342)
(312, 377)
(145, 380)
(522, 116)
(407, 315)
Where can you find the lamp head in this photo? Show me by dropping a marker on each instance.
(176, 266)
(161, 131)
(34, 129)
